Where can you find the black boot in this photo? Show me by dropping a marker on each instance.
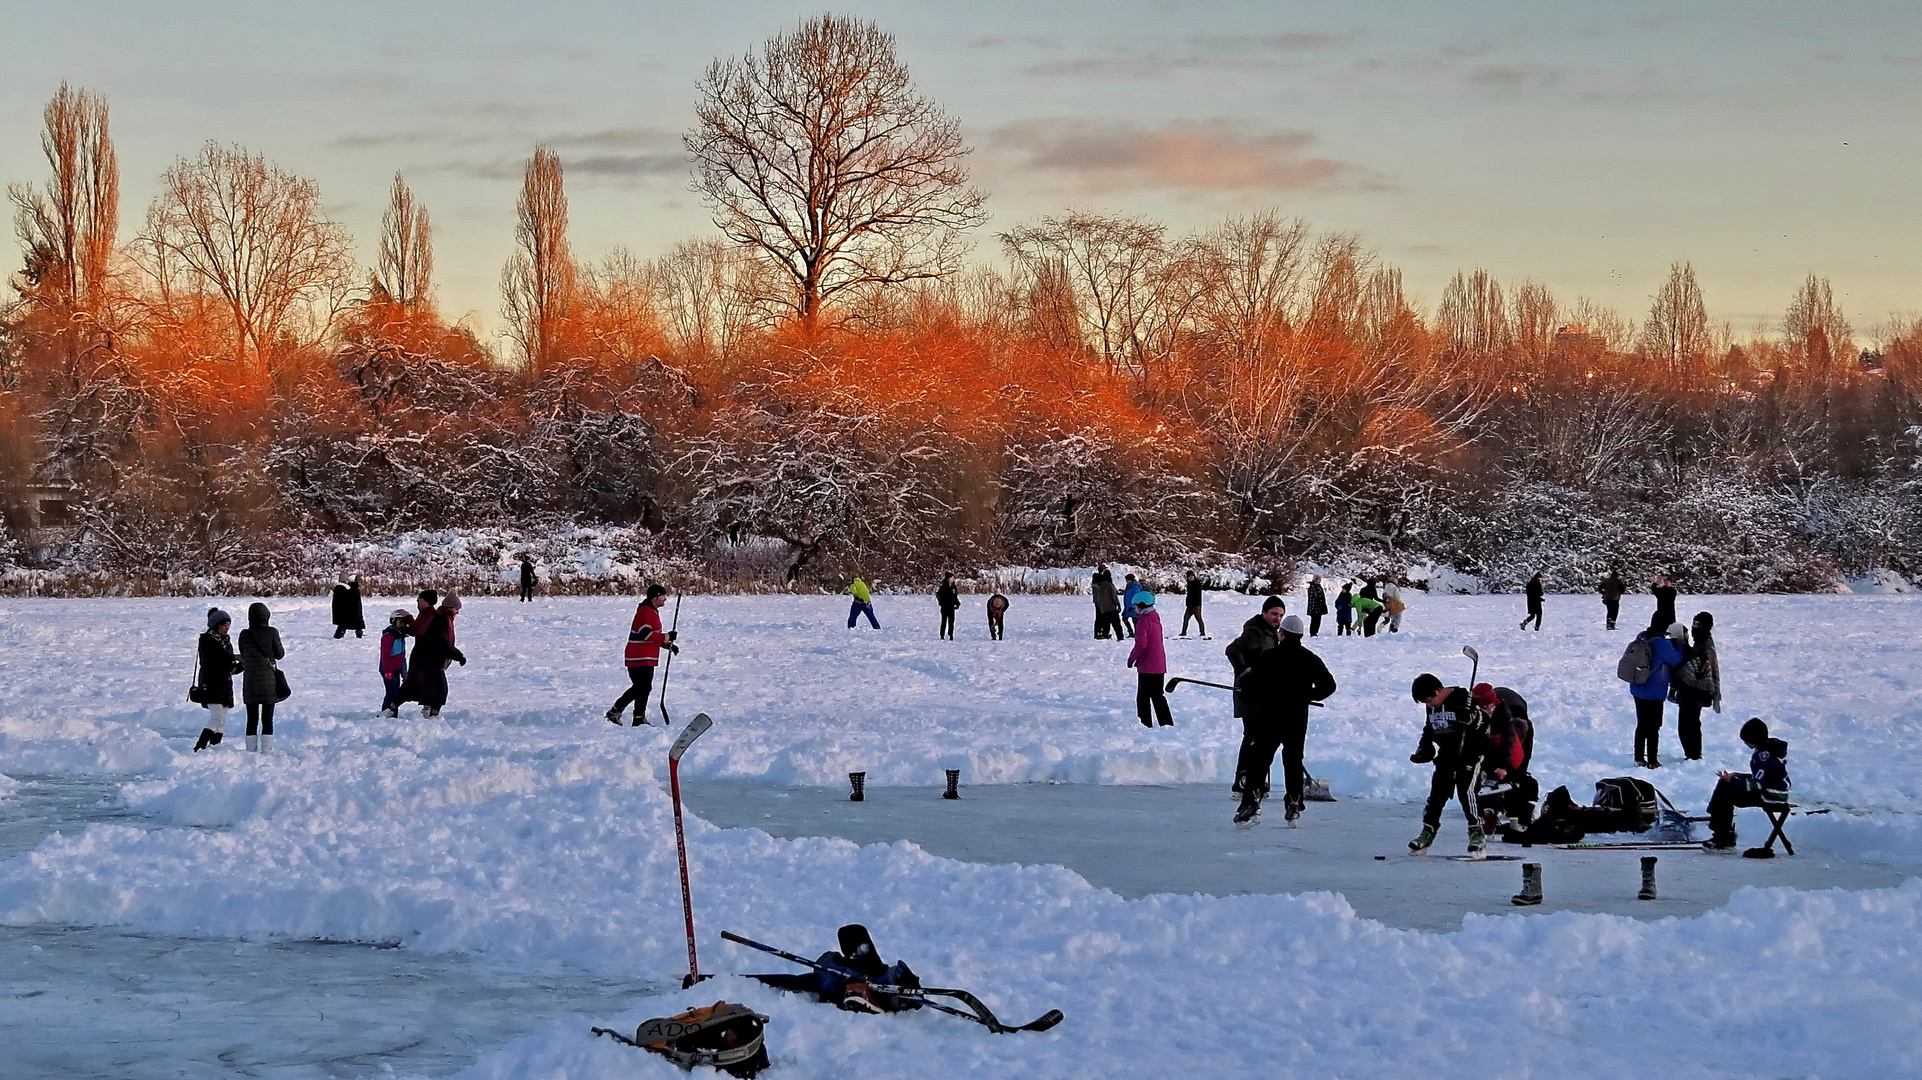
(208, 737)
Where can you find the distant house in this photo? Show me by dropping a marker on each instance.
(50, 504)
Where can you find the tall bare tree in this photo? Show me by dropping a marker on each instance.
(1533, 311)
(405, 271)
(820, 153)
(1473, 318)
(1112, 264)
(1677, 331)
(232, 224)
(541, 282)
(1818, 336)
(68, 230)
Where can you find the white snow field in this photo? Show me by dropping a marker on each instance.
(520, 832)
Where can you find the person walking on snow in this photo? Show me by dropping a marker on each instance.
(1765, 783)
(528, 579)
(1665, 652)
(393, 660)
(424, 611)
(1150, 661)
(434, 650)
(260, 653)
(997, 617)
(645, 640)
(1612, 590)
(1107, 605)
(347, 610)
(1193, 608)
(1534, 592)
(214, 672)
(1664, 591)
(1344, 611)
(1259, 634)
(1131, 591)
(1451, 737)
(863, 604)
(949, 599)
(1697, 681)
(1391, 603)
(1317, 605)
(1279, 687)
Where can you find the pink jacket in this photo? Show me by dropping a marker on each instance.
(1148, 657)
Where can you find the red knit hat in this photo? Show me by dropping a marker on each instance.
(1484, 695)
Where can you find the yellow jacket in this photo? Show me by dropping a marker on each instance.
(860, 590)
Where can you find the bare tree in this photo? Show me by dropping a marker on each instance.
(706, 292)
(1817, 333)
(1533, 310)
(69, 229)
(230, 223)
(1256, 279)
(1472, 319)
(405, 271)
(540, 283)
(1111, 263)
(1677, 331)
(820, 153)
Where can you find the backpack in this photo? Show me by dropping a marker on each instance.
(723, 1035)
(1635, 800)
(1637, 662)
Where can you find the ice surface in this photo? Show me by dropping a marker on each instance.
(521, 832)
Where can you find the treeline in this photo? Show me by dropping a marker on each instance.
(230, 377)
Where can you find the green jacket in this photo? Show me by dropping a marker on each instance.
(1367, 606)
(860, 591)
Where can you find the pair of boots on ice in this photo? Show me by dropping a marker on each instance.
(212, 737)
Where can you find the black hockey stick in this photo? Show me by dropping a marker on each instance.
(981, 1014)
(1178, 680)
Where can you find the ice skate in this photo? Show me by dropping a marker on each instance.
(1249, 812)
(1420, 844)
(1477, 842)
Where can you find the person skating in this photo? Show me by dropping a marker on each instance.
(215, 666)
(393, 659)
(1696, 682)
(1767, 781)
(997, 617)
(1664, 591)
(1612, 590)
(1509, 738)
(861, 603)
(528, 579)
(260, 654)
(1452, 738)
(1130, 592)
(1392, 603)
(645, 640)
(1664, 651)
(1344, 611)
(1280, 684)
(948, 599)
(1150, 660)
(1193, 608)
(347, 609)
(1534, 591)
(1259, 634)
(1107, 604)
(1317, 605)
(434, 650)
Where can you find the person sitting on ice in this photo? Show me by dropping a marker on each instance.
(845, 977)
(1451, 737)
(1507, 789)
(1766, 782)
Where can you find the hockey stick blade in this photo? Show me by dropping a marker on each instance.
(688, 734)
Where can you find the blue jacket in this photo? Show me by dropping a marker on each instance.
(1769, 766)
(1664, 657)
(1134, 589)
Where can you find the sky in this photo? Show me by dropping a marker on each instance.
(1583, 145)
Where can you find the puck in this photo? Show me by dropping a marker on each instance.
(1381, 858)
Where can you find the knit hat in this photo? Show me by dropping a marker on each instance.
(430, 596)
(656, 590)
(1144, 599)
(215, 617)
(1754, 731)
(1273, 602)
(1704, 620)
(1677, 632)
(450, 602)
(1293, 624)
(1484, 695)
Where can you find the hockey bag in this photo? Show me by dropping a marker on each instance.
(1633, 798)
(726, 1036)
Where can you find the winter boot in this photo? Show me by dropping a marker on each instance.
(1720, 842)
(208, 737)
(1420, 844)
(1249, 811)
(1477, 842)
(614, 717)
(266, 744)
(253, 743)
(1531, 893)
(1648, 879)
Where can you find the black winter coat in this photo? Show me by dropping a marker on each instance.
(1697, 680)
(1664, 605)
(1534, 591)
(1317, 599)
(216, 669)
(1612, 588)
(426, 680)
(1284, 679)
(347, 611)
(259, 649)
(1105, 598)
(947, 596)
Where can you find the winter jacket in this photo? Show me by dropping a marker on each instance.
(1664, 655)
(216, 669)
(997, 604)
(1285, 679)
(1370, 592)
(1105, 600)
(1194, 592)
(947, 596)
(1664, 605)
(1456, 724)
(1612, 589)
(1391, 598)
(1135, 588)
(1148, 656)
(1344, 607)
(347, 613)
(1769, 765)
(1697, 680)
(1367, 605)
(527, 573)
(859, 590)
(1509, 734)
(1534, 591)
(426, 676)
(1256, 637)
(259, 649)
(1317, 599)
(393, 652)
(644, 637)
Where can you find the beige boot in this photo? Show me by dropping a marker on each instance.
(266, 744)
(253, 742)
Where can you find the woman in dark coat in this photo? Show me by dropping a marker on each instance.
(948, 598)
(1317, 605)
(347, 612)
(426, 680)
(214, 673)
(1697, 682)
(259, 688)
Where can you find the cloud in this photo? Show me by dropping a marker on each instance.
(618, 139)
(627, 166)
(1300, 42)
(382, 140)
(1209, 155)
(1515, 76)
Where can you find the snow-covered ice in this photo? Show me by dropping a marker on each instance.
(521, 830)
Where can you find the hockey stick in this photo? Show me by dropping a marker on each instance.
(673, 628)
(1476, 669)
(700, 724)
(981, 1014)
(1172, 683)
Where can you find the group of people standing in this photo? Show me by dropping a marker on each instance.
(1357, 611)
(255, 655)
